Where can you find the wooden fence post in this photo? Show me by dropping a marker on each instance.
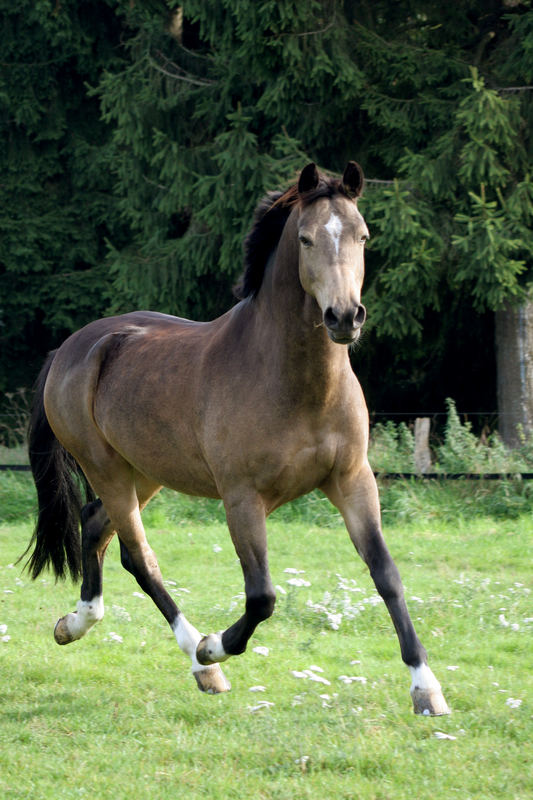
(422, 452)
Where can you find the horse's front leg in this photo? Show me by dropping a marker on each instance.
(356, 497)
(246, 522)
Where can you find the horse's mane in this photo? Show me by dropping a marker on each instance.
(269, 219)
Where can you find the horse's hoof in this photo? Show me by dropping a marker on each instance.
(212, 680)
(429, 702)
(62, 634)
(210, 650)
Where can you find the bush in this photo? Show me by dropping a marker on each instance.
(391, 448)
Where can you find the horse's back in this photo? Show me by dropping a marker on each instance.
(125, 385)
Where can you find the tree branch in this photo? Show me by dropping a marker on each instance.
(177, 73)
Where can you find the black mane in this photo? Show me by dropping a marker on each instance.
(269, 220)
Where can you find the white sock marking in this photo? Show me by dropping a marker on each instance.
(187, 638)
(424, 679)
(87, 614)
(334, 228)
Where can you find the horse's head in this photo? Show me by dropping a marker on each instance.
(332, 235)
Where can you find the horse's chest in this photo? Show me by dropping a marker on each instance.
(291, 466)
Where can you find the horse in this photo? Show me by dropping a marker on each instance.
(257, 407)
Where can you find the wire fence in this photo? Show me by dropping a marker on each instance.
(419, 476)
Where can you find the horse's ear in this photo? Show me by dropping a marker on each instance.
(353, 179)
(308, 179)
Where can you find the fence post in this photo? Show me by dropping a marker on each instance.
(422, 455)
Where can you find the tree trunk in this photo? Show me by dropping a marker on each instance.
(514, 362)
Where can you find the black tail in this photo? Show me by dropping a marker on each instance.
(61, 488)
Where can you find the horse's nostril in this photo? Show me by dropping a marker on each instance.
(360, 315)
(354, 318)
(330, 318)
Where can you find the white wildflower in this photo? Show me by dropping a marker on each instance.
(261, 650)
(513, 702)
(309, 674)
(217, 548)
(257, 689)
(113, 637)
(261, 704)
(441, 735)
(297, 700)
(353, 679)
(120, 613)
(293, 571)
(298, 582)
(317, 678)
(3, 629)
(139, 594)
(334, 621)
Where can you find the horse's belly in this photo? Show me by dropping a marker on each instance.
(168, 460)
(282, 471)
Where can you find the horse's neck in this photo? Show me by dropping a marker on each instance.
(291, 324)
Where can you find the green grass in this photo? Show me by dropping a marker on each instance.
(121, 719)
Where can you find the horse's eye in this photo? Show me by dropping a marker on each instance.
(305, 241)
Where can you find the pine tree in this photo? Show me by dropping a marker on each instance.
(56, 205)
(139, 134)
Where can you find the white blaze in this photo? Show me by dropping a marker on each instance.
(334, 228)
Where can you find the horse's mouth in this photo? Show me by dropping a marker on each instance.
(344, 337)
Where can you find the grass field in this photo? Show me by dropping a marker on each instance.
(117, 714)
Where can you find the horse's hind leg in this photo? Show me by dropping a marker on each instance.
(358, 502)
(96, 533)
(138, 558)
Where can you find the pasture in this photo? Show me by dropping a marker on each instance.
(320, 704)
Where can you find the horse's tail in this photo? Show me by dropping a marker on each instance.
(61, 487)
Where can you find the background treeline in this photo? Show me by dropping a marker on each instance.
(137, 136)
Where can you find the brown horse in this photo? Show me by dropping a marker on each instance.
(257, 407)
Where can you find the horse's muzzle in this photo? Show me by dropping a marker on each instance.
(344, 327)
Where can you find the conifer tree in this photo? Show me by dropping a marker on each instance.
(56, 203)
(139, 134)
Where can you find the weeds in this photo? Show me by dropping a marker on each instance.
(14, 415)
